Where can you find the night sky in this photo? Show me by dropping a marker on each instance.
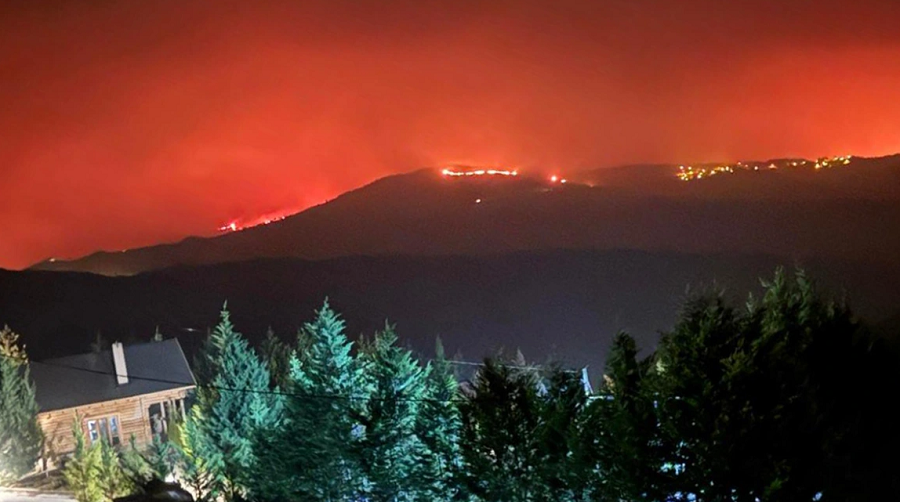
(124, 124)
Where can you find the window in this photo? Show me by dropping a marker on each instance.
(162, 415)
(105, 428)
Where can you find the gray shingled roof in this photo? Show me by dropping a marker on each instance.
(82, 379)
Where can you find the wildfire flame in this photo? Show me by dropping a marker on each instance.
(237, 225)
(479, 172)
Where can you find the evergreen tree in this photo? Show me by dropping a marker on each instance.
(701, 400)
(312, 456)
(801, 340)
(621, 430)
(501, 417)
(21, 439)
(755, 404)
(200, 463)
(390, 451)
(439, 426)
(134, 464)
(157, 462)
(277, 356)
(112, 479)
(84, 469)
(566, 472)
(235, 401)
(163, 458)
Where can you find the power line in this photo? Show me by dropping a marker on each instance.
(272, 392)
(507, 365)
(237, 389)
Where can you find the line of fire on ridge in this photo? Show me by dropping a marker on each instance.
(458, 173)
(234, 226)
(479, 172)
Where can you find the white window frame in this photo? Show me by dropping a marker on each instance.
(105, 421)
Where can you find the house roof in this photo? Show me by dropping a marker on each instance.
(83, 379)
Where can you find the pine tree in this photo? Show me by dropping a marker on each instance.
(621, 430)
(97, 472)
(84, 469)
(21, 439)
(112, 479)
(500, 445)
(135, 466)
(156, 462)
(390, 451)
(235, 401)
(762, 403)
(439, 426)
(163, 458)
(312, 456)
(200, 462)
(277, 356)
(566, 470)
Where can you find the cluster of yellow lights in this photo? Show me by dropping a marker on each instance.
(824, 163)
(690, 173)
(480, 172)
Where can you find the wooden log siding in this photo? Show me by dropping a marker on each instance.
(132, 413)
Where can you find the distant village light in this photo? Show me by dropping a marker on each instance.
(690, 174)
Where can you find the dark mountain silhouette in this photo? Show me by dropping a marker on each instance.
(863, 178)
(845, 213)
(561, 304)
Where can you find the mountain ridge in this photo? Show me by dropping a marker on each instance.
(424, 213)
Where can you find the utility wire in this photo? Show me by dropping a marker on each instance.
(268, 391)
(237, 389)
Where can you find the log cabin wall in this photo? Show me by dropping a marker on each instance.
(131, 413)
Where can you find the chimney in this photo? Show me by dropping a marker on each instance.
(118, 353)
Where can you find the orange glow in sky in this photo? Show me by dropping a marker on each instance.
(124, 124)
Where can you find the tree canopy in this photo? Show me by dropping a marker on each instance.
(234, 401)
(21, 438)
(784, 397)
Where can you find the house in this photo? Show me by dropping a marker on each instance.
(114, 395)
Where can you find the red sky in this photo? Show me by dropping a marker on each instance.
(124, 124)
